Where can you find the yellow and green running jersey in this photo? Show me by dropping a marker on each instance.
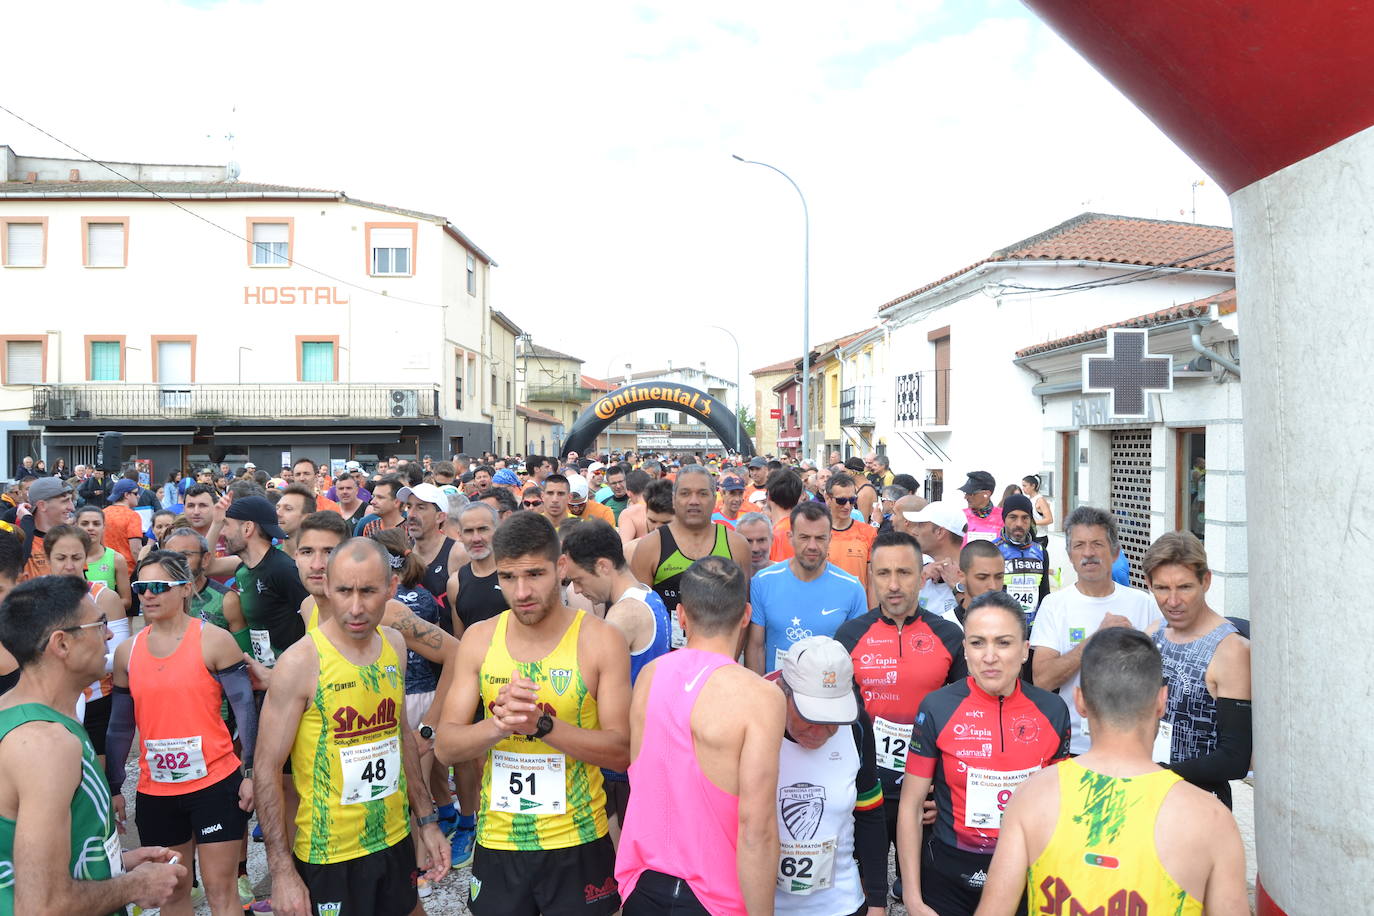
(533, 797)
(346, 761)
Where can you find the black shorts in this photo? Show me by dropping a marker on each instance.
(952, 880)
(96, 719)
(657, 893)
(577, 880)
(380, 883)
(208, 815)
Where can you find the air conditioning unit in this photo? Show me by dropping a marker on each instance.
(404, 402)
(66, 408)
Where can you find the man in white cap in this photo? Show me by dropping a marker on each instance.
(580, 507)
(940, 532)
(830, 800)
(426, 512)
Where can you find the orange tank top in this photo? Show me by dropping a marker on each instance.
(185, 744)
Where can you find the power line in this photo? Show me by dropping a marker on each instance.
(1134, 276)
(212, 223)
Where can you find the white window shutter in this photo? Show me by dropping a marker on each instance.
(106, 245)
(24, 244)
(391, 238)
(24, 362)
(270, 232)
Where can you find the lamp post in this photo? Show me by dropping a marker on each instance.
(739, 426)
(241, 349)
(806, 304)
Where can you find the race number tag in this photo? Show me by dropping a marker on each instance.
(988, 794)
(174, 759)
(1164, 743)
(678, 638)
(528, 783)
(262, 647)
(778, 656)
(114, 854)
(804, 868)
(972, 536)
(370, 771)
(892, 740)
(1025, 589)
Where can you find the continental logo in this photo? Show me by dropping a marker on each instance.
(349, 723)
(690, 400)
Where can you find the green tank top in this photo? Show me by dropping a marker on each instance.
(103, 569)
(672, 562)
(95, 849)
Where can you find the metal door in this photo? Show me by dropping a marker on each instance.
(1131, 496)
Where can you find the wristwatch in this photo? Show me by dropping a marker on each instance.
(427, 732)
(430, 818)
(247, 772)
(543, 726)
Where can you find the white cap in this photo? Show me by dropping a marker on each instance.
(943, 514)
(352, 466)
(426, 492)
(596, 466)
(820, 674)
(577, 486)
(249, 464)
(758, 497)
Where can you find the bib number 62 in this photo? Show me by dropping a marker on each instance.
(795, 867)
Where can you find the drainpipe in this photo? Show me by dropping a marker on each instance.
(1227, 364)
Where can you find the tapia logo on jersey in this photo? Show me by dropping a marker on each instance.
(559, 679)
(802, 805)
(349, 723)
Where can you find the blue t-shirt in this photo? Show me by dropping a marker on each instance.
(790, 610)
(420, 676)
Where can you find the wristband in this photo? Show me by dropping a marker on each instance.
(430, 818)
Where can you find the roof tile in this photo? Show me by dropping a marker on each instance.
(1198, 308)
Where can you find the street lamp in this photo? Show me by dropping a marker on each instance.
(806, 305)
(241, 349)
(739, 427)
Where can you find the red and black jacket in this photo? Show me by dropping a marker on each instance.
(961, 727)
(896, 666)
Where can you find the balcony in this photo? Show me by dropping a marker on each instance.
(922, 398)
(856, 406)
(210, 403)
(559, 394)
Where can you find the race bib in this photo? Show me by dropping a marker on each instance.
(114, 854)
(678, 639)
(262, 647)
(972, 536)
(987, 794)
(528, 783)
(892, 740)
(804, 868)
(1164, 743)
(1025, 589)
(778, 656)
(174, 759)
(370, 771)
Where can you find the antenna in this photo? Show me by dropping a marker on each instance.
(231, 169)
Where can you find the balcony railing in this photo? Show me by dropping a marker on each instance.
(560, 394)
(922, 398)
(856, 406)
(302, 400)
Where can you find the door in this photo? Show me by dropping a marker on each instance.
(174, 373)
(1131, 456)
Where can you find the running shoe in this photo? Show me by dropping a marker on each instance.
(423, 889)
(897, 890)
(261, 906)
(257, 833)
(464, 841)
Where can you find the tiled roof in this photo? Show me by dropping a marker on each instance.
(533, 349)
(532, 414)
(597, 384)
(1113, 239)
(127, 188)
(1198, 308)
(783, 366)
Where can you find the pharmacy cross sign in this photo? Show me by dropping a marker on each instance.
(1127, 372)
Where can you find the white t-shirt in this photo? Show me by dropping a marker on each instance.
(938, 598)
(1068, 617)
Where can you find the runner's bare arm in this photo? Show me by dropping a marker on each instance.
(1227, 893)
(756, 857)
(739, 552)
(42, 832)
(451, 591)
(1051, 670)
(1006, 881)
(421, 804)
(646, 555)
(627, 617)
(450, 671)
(458, 738)
(753, 651)
(293, 684)
(232, 609)
(421, 636)
(609, 745)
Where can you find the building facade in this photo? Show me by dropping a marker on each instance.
(210, 319)
(767, 428)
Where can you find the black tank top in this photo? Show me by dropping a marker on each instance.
(435, 581)
(7, 681)
(479, 597)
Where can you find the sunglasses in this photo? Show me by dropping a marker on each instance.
(156, 587)
(845, 500)
(103, 622)
(532, 503)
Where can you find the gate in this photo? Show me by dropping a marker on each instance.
(1130, 481)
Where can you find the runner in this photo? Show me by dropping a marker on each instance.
(631, 521)
(59, 845)
(337, 705)
(850, 539)
(580, 507)
(865, 494)
(940, 532)
(307, 473)
(296, 502)
(984, 518)
(1110, 831)
(1027, 569)
(1205, 736)
(981, 570)
(1043, 513)
(595, 562)
(830, 800)
(757, 469)
(501, 499)
(757, 531)
(701, 831)
(351, 506)
(105, 565)
(663, 555)
(658, 511)
(169, 682)
(426, 514)
(385, 510)
(51, 500)
(1069, 616)
(123, 527)
(801, 597)
(975, 741)
(619, 496)
(784, 493)
(732, 500)
(210, 601)
(200, 509)
(556, 685)
(269, 588)
(900, 653)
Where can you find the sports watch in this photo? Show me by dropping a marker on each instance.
(543, 726)
(427, 732)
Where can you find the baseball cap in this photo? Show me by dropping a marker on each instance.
(122, 486)
(425, 492)
(352, 466)
(821, 675)
(49, 487)
(758, 497)
(979, 480)
(259, 511)
(596, 466)
(506, 478)
(577, 485)
(943, 514)
(854, 463)
(733, 484)
(250, 465)
(758, 462)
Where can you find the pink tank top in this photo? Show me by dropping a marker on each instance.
(678, 823)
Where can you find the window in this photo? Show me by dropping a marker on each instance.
(105, 359)
(508, 397)
(24, 241)
(317, 359)
(493, 388)
(391, 249)
(106, 240)
(661, 417)
(472, 375)
(459, 360)
(26, 360)
(271, 243)
(472, 275)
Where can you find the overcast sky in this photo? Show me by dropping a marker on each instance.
(586, 146)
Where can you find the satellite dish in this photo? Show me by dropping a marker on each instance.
(232, 171)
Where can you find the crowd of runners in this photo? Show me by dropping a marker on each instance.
(638, 683)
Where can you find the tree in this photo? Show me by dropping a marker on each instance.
(745, 420)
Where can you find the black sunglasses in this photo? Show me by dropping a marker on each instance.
(157, 587)
(845, 500)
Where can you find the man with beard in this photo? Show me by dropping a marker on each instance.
(426, 513)
(269, 588)
(1027, 568)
